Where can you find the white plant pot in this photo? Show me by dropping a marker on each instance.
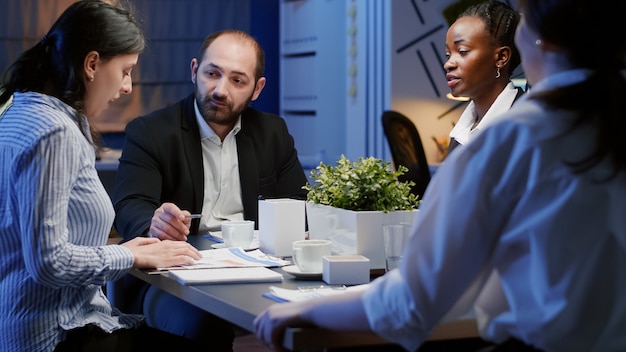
(354, 232)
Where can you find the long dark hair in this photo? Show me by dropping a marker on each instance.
(54, 65)
(601, 48)
(501, 22)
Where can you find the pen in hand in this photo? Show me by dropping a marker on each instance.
(194, 216)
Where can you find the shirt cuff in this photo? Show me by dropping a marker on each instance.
(120, 260)
(391, 312)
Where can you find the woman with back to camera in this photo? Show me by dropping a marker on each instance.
(481, 57)
(537, 198)
(56, 215)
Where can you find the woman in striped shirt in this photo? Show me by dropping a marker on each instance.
(55, 215)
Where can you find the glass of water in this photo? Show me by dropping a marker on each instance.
(395, 238)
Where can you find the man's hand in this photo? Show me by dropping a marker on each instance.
(170, 223)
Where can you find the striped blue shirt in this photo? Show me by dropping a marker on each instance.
(55, 217)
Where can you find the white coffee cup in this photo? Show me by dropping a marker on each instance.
(238, 233)
(308, 254)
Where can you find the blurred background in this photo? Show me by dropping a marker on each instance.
(333, 66)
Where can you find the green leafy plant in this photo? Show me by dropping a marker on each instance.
(367, 184)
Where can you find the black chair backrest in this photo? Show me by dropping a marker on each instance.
(407, 149)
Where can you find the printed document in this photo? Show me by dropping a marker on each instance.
(231, 257)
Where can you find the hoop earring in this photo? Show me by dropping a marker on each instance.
(497, 72)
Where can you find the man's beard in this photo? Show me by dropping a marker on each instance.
(224, 116)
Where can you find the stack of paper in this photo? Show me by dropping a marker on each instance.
(232, 257)
(306, 293)
(225, 275)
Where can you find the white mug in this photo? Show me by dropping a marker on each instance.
(308, 254)
(238, 233)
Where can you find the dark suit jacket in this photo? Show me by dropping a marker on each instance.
(162, 162)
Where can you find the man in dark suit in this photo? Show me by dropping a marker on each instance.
(211, 154)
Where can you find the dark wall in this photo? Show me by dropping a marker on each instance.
(174, 29)
(264, 27)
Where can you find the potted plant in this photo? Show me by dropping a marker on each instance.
(365, 185)
(351, 201)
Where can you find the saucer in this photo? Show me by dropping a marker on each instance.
(293, 270)
(253, 246)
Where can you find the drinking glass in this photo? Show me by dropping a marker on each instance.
(395, 238)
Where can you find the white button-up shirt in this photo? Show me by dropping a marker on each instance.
(222, 186)
(464, 129)
(507, 228)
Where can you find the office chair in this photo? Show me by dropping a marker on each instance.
(407, 150)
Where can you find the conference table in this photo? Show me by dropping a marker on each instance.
(240, 303)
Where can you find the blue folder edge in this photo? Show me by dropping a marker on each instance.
(213, 238)
(271, 296)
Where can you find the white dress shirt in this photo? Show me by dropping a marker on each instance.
(508, 208)
(222, 186)
(464, 129)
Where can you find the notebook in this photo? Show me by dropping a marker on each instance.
(225, 275)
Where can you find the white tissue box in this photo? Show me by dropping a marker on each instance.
(346, 269)
(281, 222)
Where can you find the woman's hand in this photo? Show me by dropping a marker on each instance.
(343, 312)
(152, 253)
(271, 324)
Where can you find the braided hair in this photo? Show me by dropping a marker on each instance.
(501, 22)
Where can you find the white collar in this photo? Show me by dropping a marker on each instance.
(462, 129)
